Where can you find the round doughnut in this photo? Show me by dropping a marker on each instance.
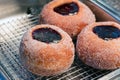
(70, 15)
(98, 45)
(46, 50)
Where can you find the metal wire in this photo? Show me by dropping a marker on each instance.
(11, 34)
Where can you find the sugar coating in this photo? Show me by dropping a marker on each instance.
(46, 59)
(71, 24)
(95, 51)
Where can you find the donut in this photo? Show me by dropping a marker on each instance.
(98, 45)
(46, 50)
(70, 15)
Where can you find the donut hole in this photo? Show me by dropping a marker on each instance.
(46, 35)
(107, 32)
(67, 9)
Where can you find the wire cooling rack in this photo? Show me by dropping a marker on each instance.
(10, 37)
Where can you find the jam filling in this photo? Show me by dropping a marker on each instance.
(107, 32)
(67, 9)
(46, 35)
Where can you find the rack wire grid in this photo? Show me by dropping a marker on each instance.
(11, 33)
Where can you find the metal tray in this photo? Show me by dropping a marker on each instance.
(11, 31)
(104, 9)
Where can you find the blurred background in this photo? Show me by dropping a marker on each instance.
(12, 7)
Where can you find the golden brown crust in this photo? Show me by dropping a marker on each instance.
(95, 51)
(71, 24)
(46, 59)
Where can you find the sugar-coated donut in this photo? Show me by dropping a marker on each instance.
(98, 45)
(46, 50)
(70, 15)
